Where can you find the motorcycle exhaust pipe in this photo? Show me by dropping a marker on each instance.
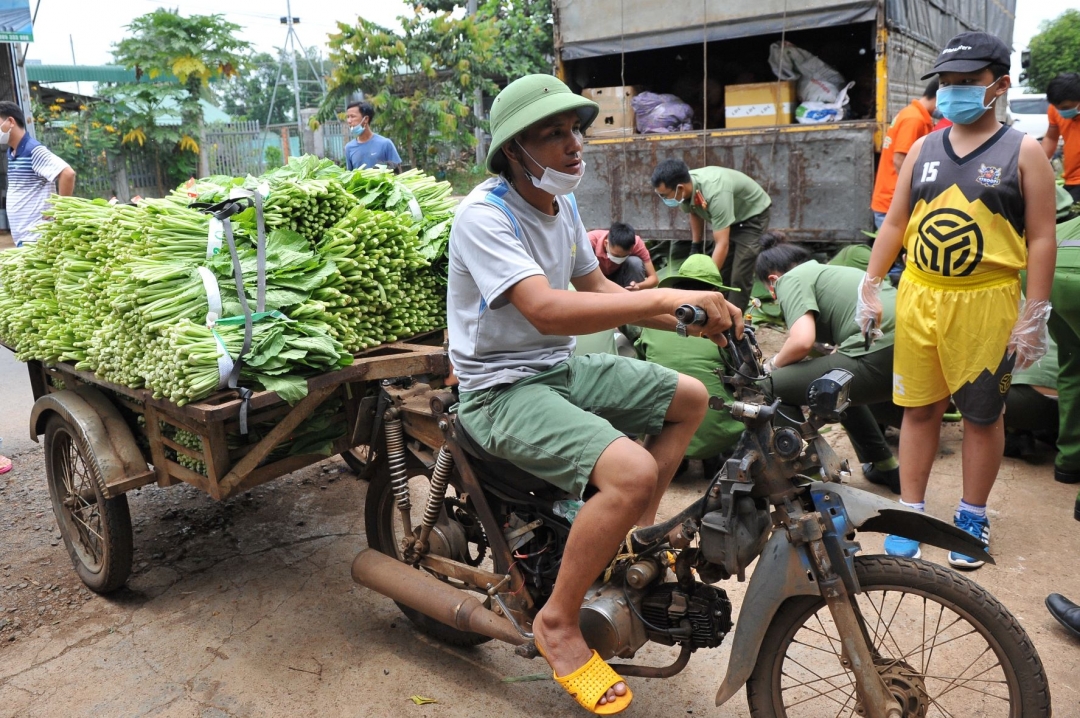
(423, 592)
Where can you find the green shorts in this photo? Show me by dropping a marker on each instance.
(556, 424)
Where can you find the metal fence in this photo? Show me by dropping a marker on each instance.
(234, 148)
(99, 177)
(334, 136)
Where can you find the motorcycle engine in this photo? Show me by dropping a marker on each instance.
(705, 610)
(663, 612)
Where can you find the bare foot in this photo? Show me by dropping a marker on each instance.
(566, 650)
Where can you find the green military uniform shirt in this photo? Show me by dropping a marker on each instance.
(699, 358)
(731, 196)
(829, 291)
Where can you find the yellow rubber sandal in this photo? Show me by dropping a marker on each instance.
(588, 684)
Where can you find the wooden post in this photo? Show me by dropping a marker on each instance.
(285, 143)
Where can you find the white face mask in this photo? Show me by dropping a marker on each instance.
(552, 181)
(616, 260)
(4, 136)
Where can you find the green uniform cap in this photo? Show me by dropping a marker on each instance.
(528, 100)
(699, 267)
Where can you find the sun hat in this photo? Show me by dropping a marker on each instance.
(698, 267)
(526, 101)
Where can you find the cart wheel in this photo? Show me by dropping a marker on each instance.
(359, 460)
(96, 530)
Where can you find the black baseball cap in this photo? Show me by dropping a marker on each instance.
(971, 52)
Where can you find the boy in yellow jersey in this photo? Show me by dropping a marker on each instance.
(974, 205)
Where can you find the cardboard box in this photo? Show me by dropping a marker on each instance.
(761, 104)
(616, 118)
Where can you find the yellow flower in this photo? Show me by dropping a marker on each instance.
(135, 135)
(83, 108)
(78, 144)
(96, 125)
(187, 143)
(110, 128)
(54, 108)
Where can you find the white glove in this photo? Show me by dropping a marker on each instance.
(1030, 340)
(768, 367)
(868, 307)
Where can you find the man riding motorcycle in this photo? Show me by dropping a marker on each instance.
(517, 243)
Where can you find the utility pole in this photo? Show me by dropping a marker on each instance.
(295, 77)
(478, 106)
(71, 41)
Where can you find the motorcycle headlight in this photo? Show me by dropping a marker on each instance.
(828, 396)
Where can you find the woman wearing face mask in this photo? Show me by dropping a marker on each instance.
(974, 205)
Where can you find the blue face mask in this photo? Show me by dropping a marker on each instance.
(1069, 114)
(963, 104)
(356, 130)
(672, 201)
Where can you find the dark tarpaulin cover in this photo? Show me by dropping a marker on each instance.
(935, 21)
(842, 13)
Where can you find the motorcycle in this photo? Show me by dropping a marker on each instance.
(469, 547)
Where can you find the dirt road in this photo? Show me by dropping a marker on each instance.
(246, 608)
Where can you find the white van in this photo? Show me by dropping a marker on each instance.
(1027, 113)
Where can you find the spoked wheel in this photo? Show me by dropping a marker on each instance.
(944, 646)
(459, 537)
(96, 531)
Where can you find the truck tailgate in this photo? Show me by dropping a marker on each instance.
(820, 178)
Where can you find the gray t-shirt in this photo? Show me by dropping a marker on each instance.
(491, 342)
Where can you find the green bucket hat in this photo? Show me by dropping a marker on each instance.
(699, 267)
(528, 100)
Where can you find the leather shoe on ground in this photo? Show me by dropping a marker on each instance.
(889, 477)
(1065, 611)
(1066, 477)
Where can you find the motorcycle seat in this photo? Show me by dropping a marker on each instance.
(471, 447)
(506, 475)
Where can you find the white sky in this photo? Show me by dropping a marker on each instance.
(94, 26)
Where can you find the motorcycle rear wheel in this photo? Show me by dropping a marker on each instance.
(945, 646)
(384, 534)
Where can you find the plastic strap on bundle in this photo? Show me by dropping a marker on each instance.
(259, 195)
(213, 296)
(213, 237)
(224, 362)
(234, 376)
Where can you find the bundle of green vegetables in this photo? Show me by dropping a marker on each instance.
(131, 292)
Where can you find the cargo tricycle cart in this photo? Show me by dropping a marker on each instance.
(102, 440)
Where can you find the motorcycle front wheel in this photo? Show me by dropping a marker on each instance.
(944, 646)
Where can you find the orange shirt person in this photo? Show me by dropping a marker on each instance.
(1063, 94)
(911, 123)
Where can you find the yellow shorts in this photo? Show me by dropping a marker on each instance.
(952, 342)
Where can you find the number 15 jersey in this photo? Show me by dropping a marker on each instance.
(967, 214)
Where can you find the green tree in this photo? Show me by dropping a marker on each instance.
(248, 97)
(1056, 49)
(422, 81)
(193, 49)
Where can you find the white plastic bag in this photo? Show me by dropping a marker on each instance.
(816, 81)
(816, 113)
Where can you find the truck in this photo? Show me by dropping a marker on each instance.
(820, 176)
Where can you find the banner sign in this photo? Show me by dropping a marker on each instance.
(16, 24)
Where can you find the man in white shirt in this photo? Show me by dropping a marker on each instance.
(34, 174)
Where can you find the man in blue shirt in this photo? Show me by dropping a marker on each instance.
(367, 149)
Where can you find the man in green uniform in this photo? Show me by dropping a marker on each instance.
(1064, 327)
(817, 306)
(693, 356)
(734, 205)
